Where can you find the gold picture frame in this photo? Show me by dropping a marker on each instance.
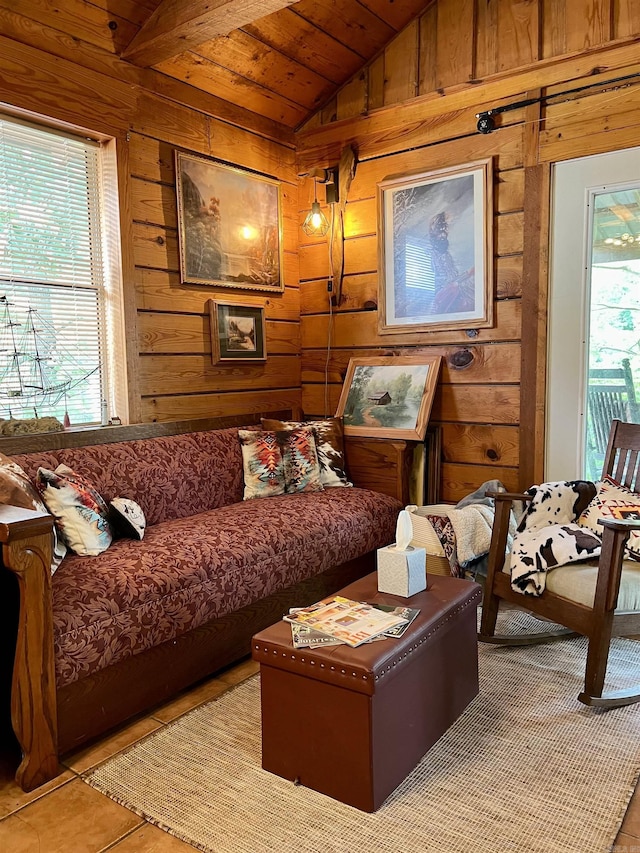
(229, 225)
(389, 396)
(435, 244)
(238, 332)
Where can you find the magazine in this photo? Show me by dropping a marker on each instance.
(352, 622)
(306, 638)
(409, 613)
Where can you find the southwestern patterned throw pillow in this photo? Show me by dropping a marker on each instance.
(262, 464)
(613, 501)
(17, 489)
(80, 512)
(279, 461)
(301, 466)
(329, 437)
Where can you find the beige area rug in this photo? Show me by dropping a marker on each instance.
(526, 768)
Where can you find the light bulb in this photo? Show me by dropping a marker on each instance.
(315, 223)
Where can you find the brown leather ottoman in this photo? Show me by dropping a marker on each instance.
(353, 723)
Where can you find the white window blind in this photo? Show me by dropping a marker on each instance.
(419, 268)
(52, 294)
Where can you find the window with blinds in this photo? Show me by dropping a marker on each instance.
(52, 290)
(419, 272)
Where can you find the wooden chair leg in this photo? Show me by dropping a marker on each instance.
(490, 606)
(596, 669)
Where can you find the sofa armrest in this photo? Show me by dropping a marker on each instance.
(380, 464)
(25, 537)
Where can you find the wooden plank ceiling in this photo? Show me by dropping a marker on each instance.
(283, 65)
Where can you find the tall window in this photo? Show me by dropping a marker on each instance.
(54, 298)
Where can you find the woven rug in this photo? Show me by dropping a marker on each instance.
(526, 769)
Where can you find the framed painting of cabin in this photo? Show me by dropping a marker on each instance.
(436, 250)
(389, 397)
(229, 226)
(237, 332)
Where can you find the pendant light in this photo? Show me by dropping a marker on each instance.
(316, 223)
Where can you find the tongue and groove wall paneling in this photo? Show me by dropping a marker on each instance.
(479, 386)
(60, 61)
(510, 51)
(175, 372)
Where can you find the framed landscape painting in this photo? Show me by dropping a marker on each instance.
(229, 226)
(237, 332)
(436, 250)
(389, 397)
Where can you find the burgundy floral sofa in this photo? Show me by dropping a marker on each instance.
(110, 635)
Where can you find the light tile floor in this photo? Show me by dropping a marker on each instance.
(67, 816)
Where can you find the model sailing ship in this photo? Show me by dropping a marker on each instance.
(36, 373)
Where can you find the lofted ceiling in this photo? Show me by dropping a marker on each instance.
(283, 65)
(278, 58)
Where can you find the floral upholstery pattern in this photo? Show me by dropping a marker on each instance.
(192, 569)
(170, 477)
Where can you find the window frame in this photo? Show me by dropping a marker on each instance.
(106, 231)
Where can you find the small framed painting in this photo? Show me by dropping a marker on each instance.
(237, 332)
(389, 397)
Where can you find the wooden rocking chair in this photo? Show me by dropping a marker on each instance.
(601, 598)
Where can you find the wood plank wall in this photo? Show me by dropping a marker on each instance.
(170, 372)
(413, 110)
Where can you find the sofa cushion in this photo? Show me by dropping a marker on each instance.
(300, 457)
(79, 510)
(262, 464)
(613, 500)
(276, 462)
(329, 435)
(126, 519)
(190, 570)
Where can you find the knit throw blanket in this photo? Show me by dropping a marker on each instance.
(547, 535)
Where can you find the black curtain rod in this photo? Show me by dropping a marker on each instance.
(486, 123)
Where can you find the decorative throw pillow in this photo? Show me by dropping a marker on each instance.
(329, 436)
(126, 519)
(300, 458)
(80, 512)
(17, 489)
(262, 464)
(613, 501)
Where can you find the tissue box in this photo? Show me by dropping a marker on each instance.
(402, 573)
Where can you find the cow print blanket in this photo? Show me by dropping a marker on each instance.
(547, 535)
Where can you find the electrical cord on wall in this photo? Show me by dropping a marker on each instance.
(330, 329)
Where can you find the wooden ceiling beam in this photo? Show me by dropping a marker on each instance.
(179, 25)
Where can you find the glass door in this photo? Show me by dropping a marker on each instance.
(613, 344)
(593, 359)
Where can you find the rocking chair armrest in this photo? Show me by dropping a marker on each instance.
(508, 496)
(626, 524)
(614, 539)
